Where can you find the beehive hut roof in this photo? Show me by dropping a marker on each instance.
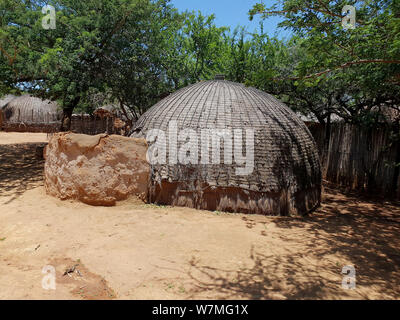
(30, 110)
(286, 179)
(390, 114)
(6, 99)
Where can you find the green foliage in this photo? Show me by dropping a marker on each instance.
(351, 72)
(134, 52)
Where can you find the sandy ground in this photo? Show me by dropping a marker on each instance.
(21, 137)
(139, 251)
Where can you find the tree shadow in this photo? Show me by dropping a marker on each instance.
(344, 231)
(20, 169)
(270, 277)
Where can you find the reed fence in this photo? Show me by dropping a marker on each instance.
(360, 158)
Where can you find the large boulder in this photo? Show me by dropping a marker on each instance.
(97, 170)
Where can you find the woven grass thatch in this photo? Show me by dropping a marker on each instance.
(27, 113)
(3, 101)
(6, 99)
(287, 176)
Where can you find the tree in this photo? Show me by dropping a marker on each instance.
(343, 64)
(97, 46)
(131, 51)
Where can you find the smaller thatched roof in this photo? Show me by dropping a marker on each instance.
(113, 110)
(106, 111)
(30, 110)
(310, 118)
(110, 108)
(389, 114)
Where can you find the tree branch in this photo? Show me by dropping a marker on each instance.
(343, 66)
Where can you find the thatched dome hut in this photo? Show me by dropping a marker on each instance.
(283, 179)
(30, 114)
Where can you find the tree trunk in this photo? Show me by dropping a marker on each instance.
(67, 115)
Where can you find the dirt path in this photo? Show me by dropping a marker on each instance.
(22, 137)
(138, 251)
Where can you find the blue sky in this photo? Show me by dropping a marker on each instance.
(232, 13)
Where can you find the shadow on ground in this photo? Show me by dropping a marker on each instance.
(20, 169)
(304, 258)
(347, 230)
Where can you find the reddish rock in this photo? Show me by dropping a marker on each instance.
(97, 170)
